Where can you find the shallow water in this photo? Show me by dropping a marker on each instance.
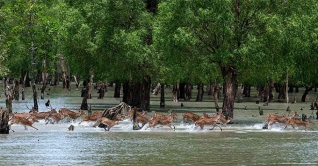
(236, 145)
(241, 143)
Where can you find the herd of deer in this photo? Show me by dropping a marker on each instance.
(53, 116)
(289, 120)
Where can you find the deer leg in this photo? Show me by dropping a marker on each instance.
(170, 125)
(219, 127)
(107, 126)
(33, 127)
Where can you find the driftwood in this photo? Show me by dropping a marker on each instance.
(4, 120)
(111, 113)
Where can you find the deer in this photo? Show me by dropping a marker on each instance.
(21, 115)
(71, 114)
(297, 122)
(166, 121)
(272, 118)
(25, 122)
(131, 113)
(92, 117)
(43, 115)
(162, 116)
(108, 123)
(224, 121)
(209, 121)
(143, 120)
(54, 118)
(190, 116)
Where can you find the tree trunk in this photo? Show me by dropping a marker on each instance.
(63, 70)
(8, 94)
(247, 90)
(44, 79)
(182, 90)
(55, 79)
(76, 82)
(117, 90)
(16, 89)
(216, 94)
(281, 92)
(162, 96)
(175, 92)
(4, 121)
(101, 91)
(286, 87)
(137, 94)
(69, 78)
(308, 88)
(200, 92)
(188, 94)
(230, 84)
(84, 105)
(35, 98)
(23, 86)
(90, 86)
(240, 90)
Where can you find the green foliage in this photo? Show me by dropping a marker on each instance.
(184, 41)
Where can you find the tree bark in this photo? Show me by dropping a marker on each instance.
(16, 89)
(307, 90)
(4, 121)
(117, 89)
(44, 79)
(162, 96)
(182, 90)
(286, 87)
(63, 70)
(137, 94)
(216, 94)
(76, 82)
(230, 84)
(9, 95)
(84, 105)
(35, 98)
(247, 90)
(175, 93)
(90, 85)
(188, 94)
(200, 92)
(281, 92)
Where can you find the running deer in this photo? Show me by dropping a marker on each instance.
(43, 115)
(108, 123)
(25, 122)
(54, 118)
(92, 117)
(131, 113)
(209, 121)
(190, 116)
(71, 114)
(225, 121)
(272, 118)
(293, 122)
(167, 121)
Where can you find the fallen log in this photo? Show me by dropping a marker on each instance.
(111, 113)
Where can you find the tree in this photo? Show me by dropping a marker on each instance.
(235, 36)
